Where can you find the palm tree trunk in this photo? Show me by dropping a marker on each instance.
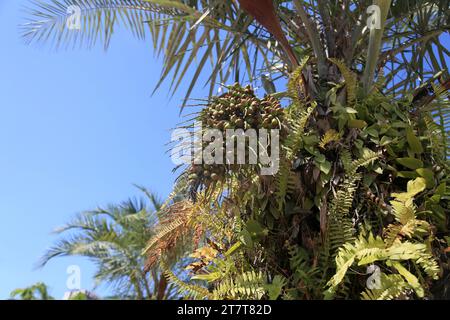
(146, 286)
(137, 289)
(162, 286)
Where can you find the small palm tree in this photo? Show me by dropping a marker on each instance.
(38, 291)
(114, 238)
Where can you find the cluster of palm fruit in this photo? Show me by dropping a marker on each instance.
(239, 108)
(206, 173)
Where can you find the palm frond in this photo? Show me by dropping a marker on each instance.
(225, 39)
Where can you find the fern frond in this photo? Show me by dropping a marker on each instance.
(285, 182)
(164, 231)
(368, 157)
(409, 229)
(248, 285)
(340, 230)
(346, 159)
(440, 112)
(436, 135)
(340, 226)
(404, 210)
(367, 251)
(407, 225)
(296, 83)
(348, 253)
(305, 276)
(298, 118)
(185, 289)
(391, 287)
(351, 82)
(417, 252)
(176, 223)
(329, 136)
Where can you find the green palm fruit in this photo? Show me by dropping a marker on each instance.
(275, 123)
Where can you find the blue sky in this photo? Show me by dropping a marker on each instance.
(77, 130)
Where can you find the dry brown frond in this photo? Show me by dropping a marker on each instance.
(177, 223)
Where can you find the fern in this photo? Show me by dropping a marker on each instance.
(409, 229)
(183, 288)
(275, 288)
(248, 285)
(351, 81)
(340, 230)
(392, 250)
(296, 83)
(440, 111)
(298, 118)
(176, 223)
(367, 251)
(165, 230)
(330, 136)
(305, 277)
(436, 135)
(283, 183)
(405, 214)
(367, 157)
(391, 287)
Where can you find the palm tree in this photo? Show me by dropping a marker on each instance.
(363, 176)
(38, 291)
(222, 34)
(114, 238)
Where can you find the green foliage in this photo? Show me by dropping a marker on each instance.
(341, 229)
(392, 251)
(183, 288)
(326, 210)
(298, 117)
(351, 82)
(296, 84)
(391, 287)
(38, 291)
(305, 278)
(248, 285)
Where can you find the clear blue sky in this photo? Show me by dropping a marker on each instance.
(77, 129)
